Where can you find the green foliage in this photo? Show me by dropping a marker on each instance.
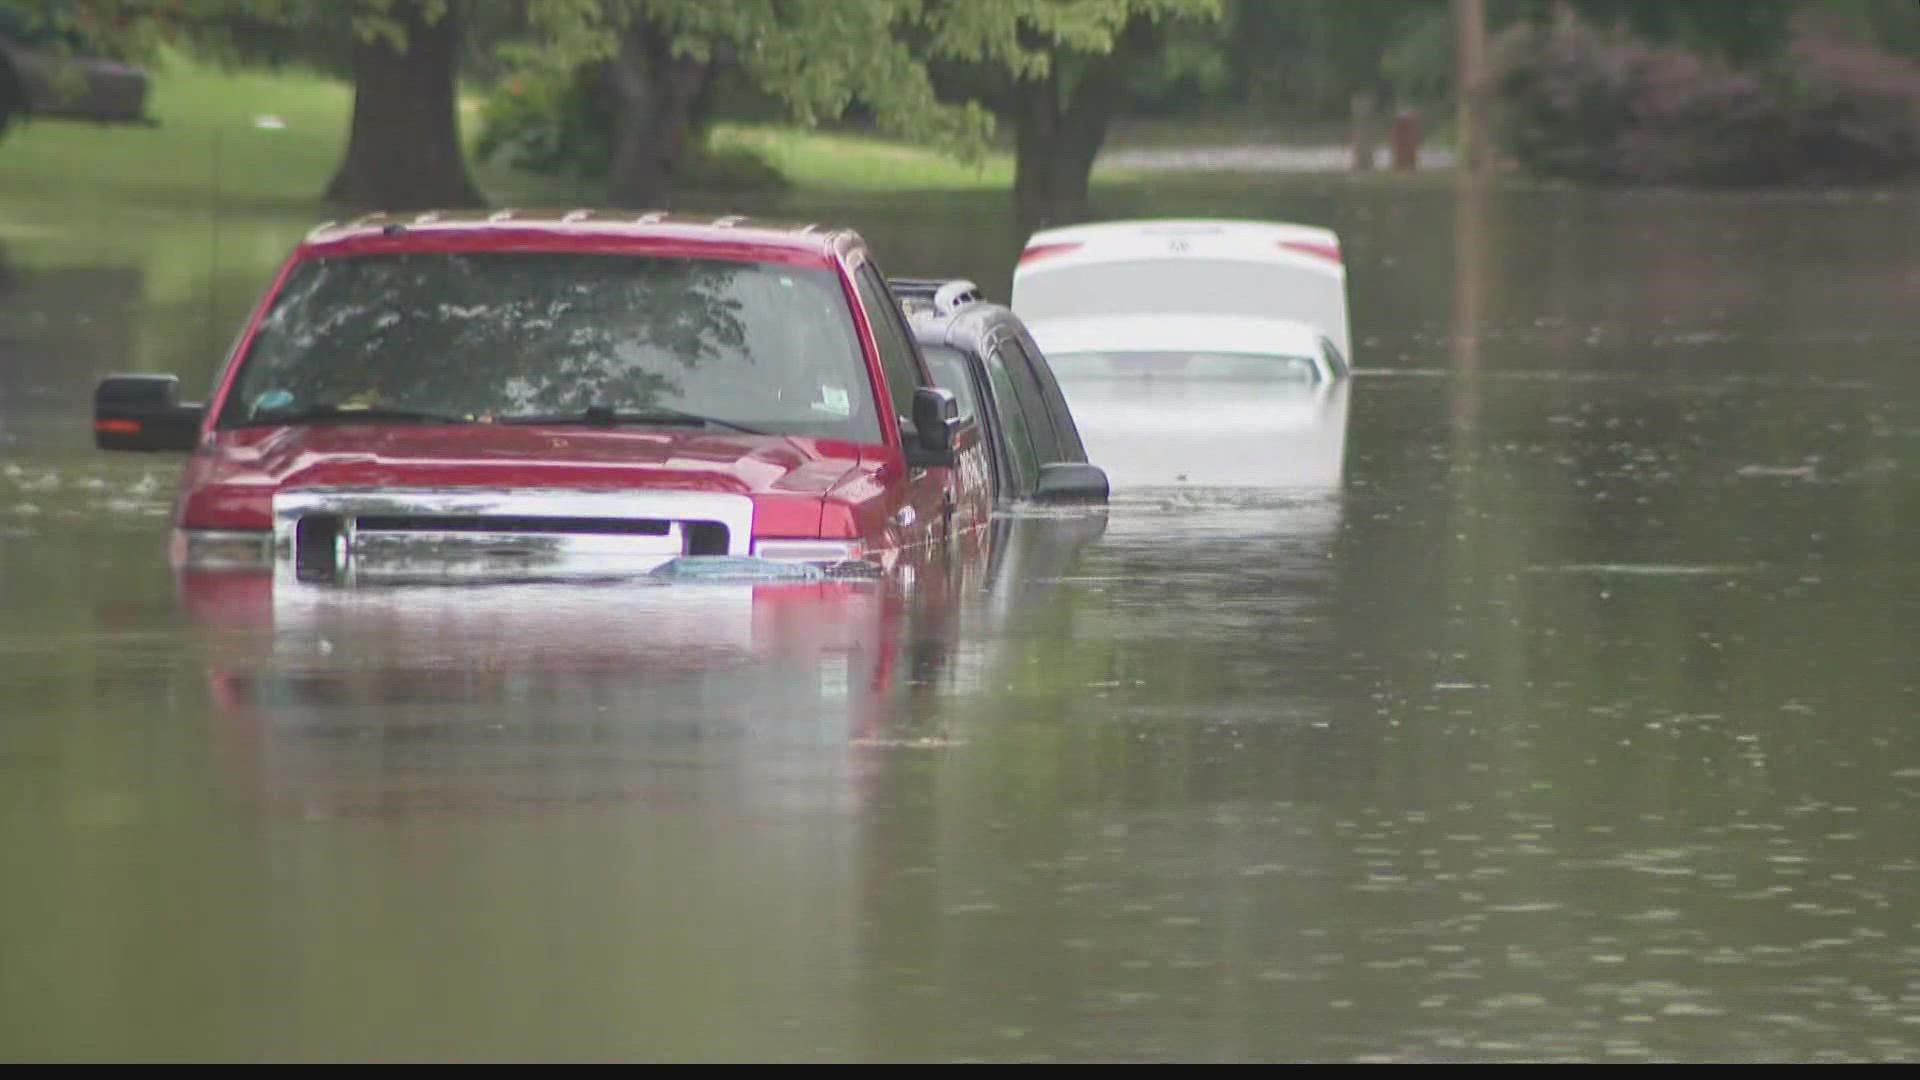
(1418, 62)
(107, 28)
(826, 60)
(1185, 70)
(550, 121)
(1290, 59)
(1026, 37)
(1893, 25)
(235, 33)
(560, 123)
(1739, 33)
(819, 59)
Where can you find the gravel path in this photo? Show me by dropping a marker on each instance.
(1254, 158)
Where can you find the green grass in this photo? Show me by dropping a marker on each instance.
(206, 126)
(209, 132)
(75, 194)
(823, 161)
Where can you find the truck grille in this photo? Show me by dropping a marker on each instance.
(346, 535)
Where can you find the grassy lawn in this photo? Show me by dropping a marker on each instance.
(826, 161)
(273, 140)
(79, 195)
(206, 120)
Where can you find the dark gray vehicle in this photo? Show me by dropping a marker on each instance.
(982, 352)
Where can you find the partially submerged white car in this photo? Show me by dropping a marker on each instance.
(1196, 352)
(1101, 284)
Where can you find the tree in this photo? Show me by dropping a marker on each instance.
(404, 150)
(658, 57)
(1306, 61)
(1054, 69)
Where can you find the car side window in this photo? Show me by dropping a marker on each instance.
(949, 370)
(1336, 364)
(1065, 432)
(890, 335)
(1019, 440)
(1032, 403)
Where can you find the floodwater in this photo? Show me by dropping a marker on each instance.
(1553, 696)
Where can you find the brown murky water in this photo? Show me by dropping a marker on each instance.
(1572, 714)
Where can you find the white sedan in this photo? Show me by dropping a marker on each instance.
(1196, 353)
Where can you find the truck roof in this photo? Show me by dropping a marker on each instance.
(589, 224)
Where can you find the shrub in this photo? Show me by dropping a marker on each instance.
(1576, 104)
(1856, 110)
(551, 122)
(561, 123)
(734, 170)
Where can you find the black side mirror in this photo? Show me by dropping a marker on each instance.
(936, 420)
(1071, 482)
(143, 412)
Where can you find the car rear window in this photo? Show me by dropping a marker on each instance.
(495, 335)
(1186, 367)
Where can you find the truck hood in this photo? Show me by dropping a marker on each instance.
(559, 456)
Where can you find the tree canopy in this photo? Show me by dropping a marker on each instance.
(950, 74)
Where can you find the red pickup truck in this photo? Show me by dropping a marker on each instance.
(564, 395)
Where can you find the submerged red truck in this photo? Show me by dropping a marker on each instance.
(563, 395)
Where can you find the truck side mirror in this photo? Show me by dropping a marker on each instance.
(936, 422)
(143, 412)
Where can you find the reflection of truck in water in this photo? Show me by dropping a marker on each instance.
(56, 73)
(423, 699)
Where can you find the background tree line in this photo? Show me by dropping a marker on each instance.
(622, 91)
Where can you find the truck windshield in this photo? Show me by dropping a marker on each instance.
(500, 336)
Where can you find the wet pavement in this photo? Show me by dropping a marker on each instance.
(1570, 714)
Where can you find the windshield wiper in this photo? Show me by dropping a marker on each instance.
(601, 416)
(336, 412)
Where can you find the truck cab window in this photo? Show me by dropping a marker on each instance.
(890, 335)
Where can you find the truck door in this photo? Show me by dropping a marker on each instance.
(920, 514)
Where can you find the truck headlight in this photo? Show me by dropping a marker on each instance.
(824, 552)
(222, 549)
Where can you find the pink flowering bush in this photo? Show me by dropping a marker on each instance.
(1574, 103)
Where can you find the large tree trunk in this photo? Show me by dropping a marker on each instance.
(654, 95)
(1055, 146)
(405, 152)
(1036, 121)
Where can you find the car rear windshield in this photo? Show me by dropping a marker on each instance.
(1185, 367)
(495, 336)
(1186, 286)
